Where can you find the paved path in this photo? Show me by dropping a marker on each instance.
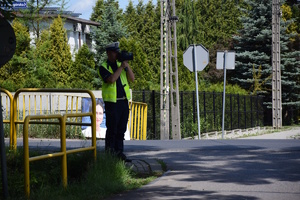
(288, 134)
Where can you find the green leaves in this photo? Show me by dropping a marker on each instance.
(82, 72)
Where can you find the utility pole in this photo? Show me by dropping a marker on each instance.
(276, 72)
(169, 72)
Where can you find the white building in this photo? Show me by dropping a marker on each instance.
(78, 30)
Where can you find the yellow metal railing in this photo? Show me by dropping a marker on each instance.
(12, 138)
(16, 119)
(138, 120)
(63, 153)
(137, 125)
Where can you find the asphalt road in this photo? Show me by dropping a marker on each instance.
(221, 169)
(252, 169)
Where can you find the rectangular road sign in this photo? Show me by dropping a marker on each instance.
(230, 59)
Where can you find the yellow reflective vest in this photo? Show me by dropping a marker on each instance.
(109, 90)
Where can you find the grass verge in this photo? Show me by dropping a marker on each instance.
(87, 179)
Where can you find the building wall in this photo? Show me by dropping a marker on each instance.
(77, 34)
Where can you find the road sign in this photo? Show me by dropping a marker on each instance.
(201, 55)
(229, 60)
(225, 60)
(7, 41)
(195, 58)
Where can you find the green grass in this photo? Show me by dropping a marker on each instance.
(87, 179)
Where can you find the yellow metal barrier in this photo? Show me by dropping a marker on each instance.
(12, 138)
(138, 120)
(26, 149)
(63, 153)
(16, 119)
(137, 125)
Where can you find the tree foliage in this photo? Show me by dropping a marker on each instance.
(59, 53)
(253, 47)
(83, 73)
(13, 73)
(111, 30)
(244, 26)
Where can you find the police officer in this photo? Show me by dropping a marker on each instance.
(116, 93)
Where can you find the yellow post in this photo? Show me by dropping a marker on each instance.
(135, 126)
(47, 102)
(35, 104)
(28, 104)
(26, 156)
(72, 104)
(63, 149)
(67, 98)
(93, 118)
(41, 100)
(6, 105)
(58, 104)
(76, 117)
(12, 139)
(24, 108)
(145, 122)
(139, 124)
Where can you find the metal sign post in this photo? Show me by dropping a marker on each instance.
(225, 60)
(197, 91)
(191, 57)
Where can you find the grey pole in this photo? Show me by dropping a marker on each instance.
(197, 92)
(3, 155)
(223, 116)
(276, 71)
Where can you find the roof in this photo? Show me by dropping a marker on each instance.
(53, 12)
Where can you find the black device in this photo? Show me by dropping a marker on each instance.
(125, 55)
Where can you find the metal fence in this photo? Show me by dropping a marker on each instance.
(241, 112)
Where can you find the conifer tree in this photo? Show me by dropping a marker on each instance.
(130, 18)
(97, 11)
(253, 46)
(59, 53)
(111, 30)
(83, 73)
(40, 72)
(149, 33)
(142, 71)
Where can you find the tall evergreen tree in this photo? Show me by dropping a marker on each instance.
(254, 47)
(59, 53)
(111, 30)
(150, 35)
(83, 73)
(99, 8)
(142, 71)
(130, 18)
(186, 27)
(97, 11)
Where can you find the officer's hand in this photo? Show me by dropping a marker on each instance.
(124, 64)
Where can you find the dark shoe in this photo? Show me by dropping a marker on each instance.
(123, 157)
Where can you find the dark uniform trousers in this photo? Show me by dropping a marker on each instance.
(116, 124)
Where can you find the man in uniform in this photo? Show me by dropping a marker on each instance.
(116, 93)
